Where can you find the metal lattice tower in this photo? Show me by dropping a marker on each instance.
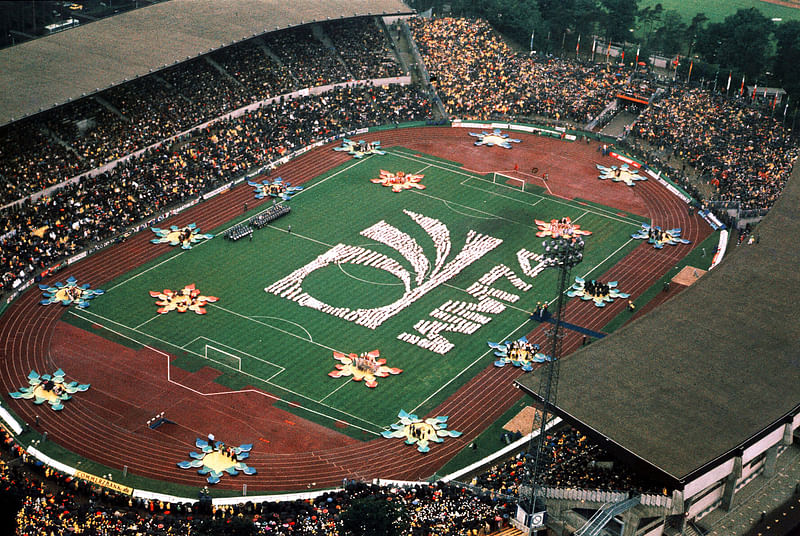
(563, 253)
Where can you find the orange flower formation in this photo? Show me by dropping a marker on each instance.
(365, 367)
(186, 299)
(400, 181)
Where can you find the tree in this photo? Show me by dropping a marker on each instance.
(620, 18)
(694, 29)
(787, 57)
(647, 17)
(669, 36)
(374, 516)
(741, 42)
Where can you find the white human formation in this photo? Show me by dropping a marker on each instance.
(476, 246)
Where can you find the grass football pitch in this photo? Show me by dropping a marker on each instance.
(273, 343)
(717, 11)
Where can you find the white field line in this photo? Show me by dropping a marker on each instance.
(148, 320)
(484, 354)
(252, 319)
(169, 378)
(596, 211)
(145, 271)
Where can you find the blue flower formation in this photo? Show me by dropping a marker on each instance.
(217, 459)
(276, 188)
(519, 353)
(659, 237)
(68, 293)
(51, 389)
(494, 138)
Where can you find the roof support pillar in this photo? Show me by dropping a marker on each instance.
(730, 483)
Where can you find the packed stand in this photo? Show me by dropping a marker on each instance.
(50, 502)
(250, 64)
(203, 84)
(153, 108)
(31, 161)
(40, 234)
(745, 155)
(311, 62)
(363, 46)
(478, 76)
(79, 136)
(571, 461)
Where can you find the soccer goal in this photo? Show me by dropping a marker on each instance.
(508, 180)
(226, 359)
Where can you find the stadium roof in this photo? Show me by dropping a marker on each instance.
(691, 383)
(39, 74)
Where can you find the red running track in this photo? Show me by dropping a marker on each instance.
(107, 423)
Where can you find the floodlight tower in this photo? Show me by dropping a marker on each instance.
(563, 252)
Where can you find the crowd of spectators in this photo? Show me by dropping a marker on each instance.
(56, 226)
(54, 146)
(572, 461)
(47, 498)
(312, 63)
(44, 501)
(744, 154)
(478, 76)
(364, 49)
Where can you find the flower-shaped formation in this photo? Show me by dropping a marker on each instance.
(419, 432)
(186, 299)
(622, 173)
(494, 138)
(361, 148)
(658, 237)
(218, 459)
(51, 389)
(69, 292)
(519, 353)
(400, 181)
(276, 188)
(185, 236)
(365, 367)
(601, 293)
(556, 228)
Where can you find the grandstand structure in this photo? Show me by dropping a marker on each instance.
(60, 68)
(702, 395)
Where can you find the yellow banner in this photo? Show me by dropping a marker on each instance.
(105, 483)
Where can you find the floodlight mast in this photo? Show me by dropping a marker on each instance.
(564, 253)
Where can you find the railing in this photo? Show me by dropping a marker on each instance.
(604, 515)
(108, 166)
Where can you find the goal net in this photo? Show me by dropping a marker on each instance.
(222, 357)
(508, 180)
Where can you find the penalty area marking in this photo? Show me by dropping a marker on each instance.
(555, 200)
(259, 392)
(252, 319)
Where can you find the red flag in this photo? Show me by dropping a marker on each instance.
(755, 88)
(578, 46)
(741, 90)
(690, 72)
(637, 55)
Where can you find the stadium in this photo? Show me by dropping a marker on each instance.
(206, 241)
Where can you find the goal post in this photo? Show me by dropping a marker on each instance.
(220, 356)
(508, 180)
